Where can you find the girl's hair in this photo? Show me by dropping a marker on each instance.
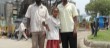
(53, 8)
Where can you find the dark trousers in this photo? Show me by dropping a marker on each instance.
(92, 28)
(96, 30)
(68, 39)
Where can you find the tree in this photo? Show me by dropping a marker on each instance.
(98, 6)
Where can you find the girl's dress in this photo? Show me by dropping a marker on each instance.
(53, 35)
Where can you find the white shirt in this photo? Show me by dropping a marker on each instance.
(66, 14)
(21, 27)
(36, 15)
(53, 24)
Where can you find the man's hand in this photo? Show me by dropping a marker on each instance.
(28, 22)
(44, 34)
(74, 33)
(60, 36)
(47, 28)
(43, 23)
(75, 27)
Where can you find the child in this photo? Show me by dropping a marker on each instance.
(53, 32)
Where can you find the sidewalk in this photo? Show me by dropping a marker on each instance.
(80, 37)
(9, 43)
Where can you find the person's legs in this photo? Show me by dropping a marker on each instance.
(20, 35)
(35, 40)
(92, 29)
(96, 30)
(16, 35)
(41, 39)
(64, 39)
(72, 41)
(25, 35)
(9, 34)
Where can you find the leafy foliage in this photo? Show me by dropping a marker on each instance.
(98, 6)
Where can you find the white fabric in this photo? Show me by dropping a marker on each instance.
(37, 15)
(66, 14)
(21, 27)
(53, 24)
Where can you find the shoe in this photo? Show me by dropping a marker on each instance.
(26, 39)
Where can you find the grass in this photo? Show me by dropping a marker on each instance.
(101, 36)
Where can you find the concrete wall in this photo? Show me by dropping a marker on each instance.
(2, 4)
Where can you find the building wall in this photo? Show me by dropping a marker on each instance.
(2, 5)
(9, 9)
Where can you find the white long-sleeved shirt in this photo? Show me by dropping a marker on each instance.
(54, 25)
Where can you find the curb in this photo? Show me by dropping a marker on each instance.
(82, 45)
(96, 44)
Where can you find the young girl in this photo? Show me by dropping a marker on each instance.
(53, 33)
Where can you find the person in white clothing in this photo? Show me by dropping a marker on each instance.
(53, 33)
(21, 30)
(36, 15)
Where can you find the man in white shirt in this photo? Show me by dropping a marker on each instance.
(37, 13)
(68, 18)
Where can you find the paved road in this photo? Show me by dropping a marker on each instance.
(9, 43)
(80, 36)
